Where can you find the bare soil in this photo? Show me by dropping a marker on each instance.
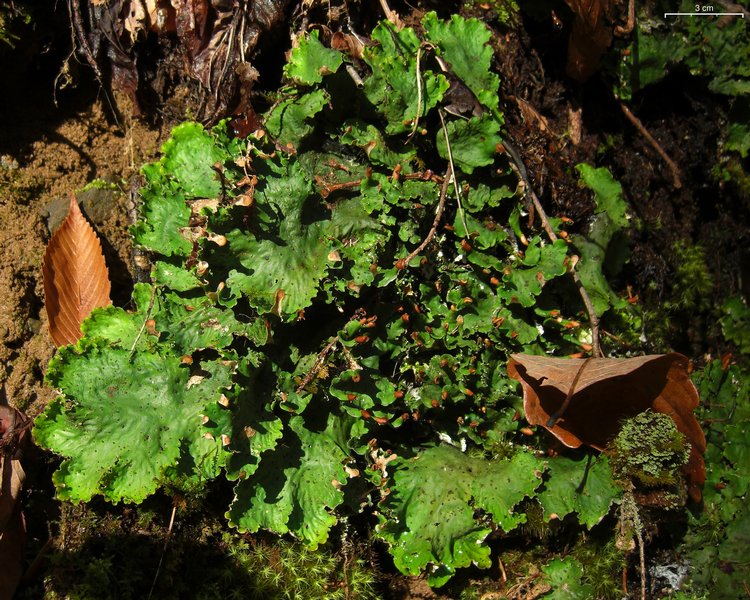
(45, 156)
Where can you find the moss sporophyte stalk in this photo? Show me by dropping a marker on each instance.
(297, 346)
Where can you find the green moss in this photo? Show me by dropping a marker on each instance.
(286, 569)
(102, 184)
(732, 170)
(104, 554)
(691, 283)
(649, 451)
(602, 563)
(537, 525)
(673, 305)
(506, 10)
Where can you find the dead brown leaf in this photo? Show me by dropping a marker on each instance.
(13, 428)
(609, 390)
(347, 43)
(589, 38)
(209, 42)
(76, 279)
(531, 115)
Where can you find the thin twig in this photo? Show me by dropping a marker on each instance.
(520, 169)
(438, 213)
(596, 349)
(642, 555)
(327, 189)
(560, 411)
(317, 365)
(350, 360)
(453, 171)
(389, 14)
(656, 146)
(163, 551)
(81, 31)
(355, 76)
(415, 124)
(502, 569)
(629, 517)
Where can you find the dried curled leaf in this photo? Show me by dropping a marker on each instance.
(13, 428)
(607, 391)
(76, 279)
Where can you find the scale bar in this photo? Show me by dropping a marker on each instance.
(705, 14)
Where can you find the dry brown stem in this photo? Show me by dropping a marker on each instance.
(656, 146)
(438, 214)
(317, 365)
(163, 551)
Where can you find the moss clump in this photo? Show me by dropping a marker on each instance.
(107, 553)
(286, 569)
(506, 10)
(649, 451)
(602, 563)
(692, 283)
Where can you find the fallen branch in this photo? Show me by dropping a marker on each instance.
(656, 146)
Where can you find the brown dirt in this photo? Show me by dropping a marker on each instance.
(44, 157)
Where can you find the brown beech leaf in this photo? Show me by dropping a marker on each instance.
(76, 279)
(607, 391)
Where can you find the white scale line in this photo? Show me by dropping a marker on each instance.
(706, 14)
